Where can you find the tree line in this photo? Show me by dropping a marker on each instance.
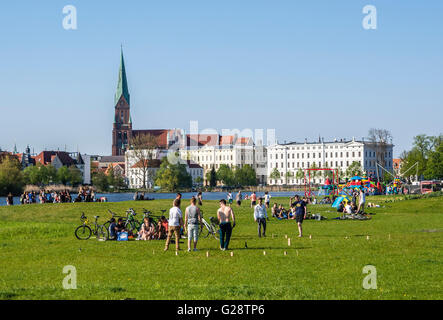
(13, 179)
(425, 159)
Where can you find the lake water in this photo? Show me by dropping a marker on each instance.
(118, 197)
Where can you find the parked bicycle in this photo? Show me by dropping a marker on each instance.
(210, 228)
(86, 230)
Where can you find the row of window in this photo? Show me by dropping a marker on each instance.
(313, 155)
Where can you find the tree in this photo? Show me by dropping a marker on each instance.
(32, 175)
(245, 176)
(75, 176)
(173, 176)
(380, 140)
(11, 176)
(199, 180)
(354, 169)
(275, 174)
(100, 181)
(225, 175)
(211, 177)
(289, 175)
(142, 152)
(434, 168)
(63, 175)
(300, 174)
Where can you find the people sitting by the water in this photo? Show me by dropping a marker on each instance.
(147, 231)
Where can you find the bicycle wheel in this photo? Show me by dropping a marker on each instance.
(83, 232)
(204, 232)
(102, 233)
(215, 232)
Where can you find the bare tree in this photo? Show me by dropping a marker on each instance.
(142, 154)
(380, 140)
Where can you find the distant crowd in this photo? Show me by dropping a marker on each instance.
(85, 194)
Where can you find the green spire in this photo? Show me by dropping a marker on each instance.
(122, 87)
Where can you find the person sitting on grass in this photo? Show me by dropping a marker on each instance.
(348, 208)
(163, 227)
(120, 227)
(147, 230)
(275, 211)
(283, 214)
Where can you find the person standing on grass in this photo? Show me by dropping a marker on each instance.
(267, 199)
(361, 202)
(229, 196)
(225, 214)
(175, 223)
(300, 213)
(253, 199)
(238, 198)
(260, 216)
(9, 199)
(193, 223)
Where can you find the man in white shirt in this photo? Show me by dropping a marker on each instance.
(175, 223)
(260, 216)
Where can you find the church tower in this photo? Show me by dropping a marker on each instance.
(122, 128)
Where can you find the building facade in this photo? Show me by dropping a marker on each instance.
(293, 157)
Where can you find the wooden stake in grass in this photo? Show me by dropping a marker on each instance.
(389, 237)
(367, 237)
(232, 253)
(296, 252)
(289, 242)
(286, 236)
(285, 253)
(207, 254)
(310, 236)
(264, 253)
(176, 253)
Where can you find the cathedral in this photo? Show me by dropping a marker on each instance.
(122, 131)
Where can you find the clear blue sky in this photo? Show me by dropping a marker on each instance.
(302, 67)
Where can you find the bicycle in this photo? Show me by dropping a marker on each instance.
(211, 228)
(84, 232)
(131, 223)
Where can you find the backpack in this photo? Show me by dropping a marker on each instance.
(122, 236)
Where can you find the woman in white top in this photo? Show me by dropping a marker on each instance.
(175, 223)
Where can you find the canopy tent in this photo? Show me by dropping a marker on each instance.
(341, 199)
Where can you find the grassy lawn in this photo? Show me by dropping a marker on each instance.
(405, 245)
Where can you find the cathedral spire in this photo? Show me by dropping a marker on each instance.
(122, 87)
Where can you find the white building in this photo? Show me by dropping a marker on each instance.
(138, 170)
(212, 150)
(291, 157)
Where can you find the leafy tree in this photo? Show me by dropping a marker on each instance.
(289, 175)
(32, 175)
(11, 176)
(275, 174)
(100, 181)
(63, 175)
(434, 168)
(211, 177)
(245, 176)
(300, 174)
(172, 176)
(49, 174)
(75, 176)
(354, 169)
(225, 175)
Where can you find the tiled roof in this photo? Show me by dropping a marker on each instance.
(193, 165)
(154, 163)
(161, 135)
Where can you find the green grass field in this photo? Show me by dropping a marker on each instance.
(405, 245)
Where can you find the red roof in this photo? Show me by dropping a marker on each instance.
(45, 157)
(202, 139)
(154, 163)
(227, 140)
(161, 136)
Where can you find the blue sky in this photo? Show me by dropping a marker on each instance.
(304, 68)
